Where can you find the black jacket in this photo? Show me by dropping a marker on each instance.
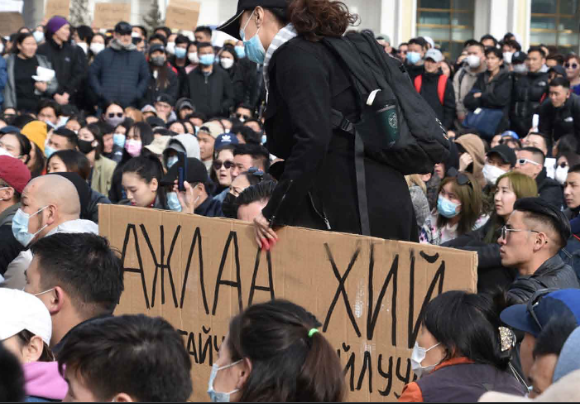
(318, 186)
(93, 206)
(553, 273)
(211, 207)
(495, 94)
(550, 190)
(155, 88)
(557, 122)
(212, 95)
(414, 70)
(119, 75)
(446, 111)
(245, 79)
(529, 90)
(70, 64)
(490, 273)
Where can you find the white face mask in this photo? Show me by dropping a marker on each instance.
(520, 68)
(217, 397)
(492, 173)
(417, 357)
(227, 63)
(193, 58)
(561, 174)
(473, 61)
(96, 47)
(507, 57)
(1, 47)
(170, 48)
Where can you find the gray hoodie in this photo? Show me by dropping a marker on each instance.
(14, 276)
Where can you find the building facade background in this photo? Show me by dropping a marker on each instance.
(448, 22)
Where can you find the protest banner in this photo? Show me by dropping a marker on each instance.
(107, 15)
(57, 7)
(368, 293)
(182, 14)
(10, 22)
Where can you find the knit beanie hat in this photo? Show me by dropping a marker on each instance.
(56, 23)
(36, 132)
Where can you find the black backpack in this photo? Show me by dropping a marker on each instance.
(422, 139)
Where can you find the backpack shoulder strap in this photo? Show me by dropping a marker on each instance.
(462, 75)
(441, 87)
(418, 82)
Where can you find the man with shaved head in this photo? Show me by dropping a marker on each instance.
(530, 241)
(50, 204)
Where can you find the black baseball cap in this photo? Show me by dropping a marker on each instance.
(560, 71)
(519, 57)
(505, 152)
(156, 47)
(232, 26)
(165, 98)
(123, 28)
(540, 207)
(542, 307)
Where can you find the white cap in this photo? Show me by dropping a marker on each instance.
(22, 311)
(430, 40)
(434, 54)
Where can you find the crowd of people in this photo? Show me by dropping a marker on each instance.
(93, 117)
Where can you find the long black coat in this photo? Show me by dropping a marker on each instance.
(319, 180)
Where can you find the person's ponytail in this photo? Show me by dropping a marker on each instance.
(321, 377)
(315, 19)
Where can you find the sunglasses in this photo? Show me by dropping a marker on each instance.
(118, 114)
(524, 161)
(571, 66)
(461, 178)
(403, 52)
(239, 116)
(218, 164)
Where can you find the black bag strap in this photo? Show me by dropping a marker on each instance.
(340, 122)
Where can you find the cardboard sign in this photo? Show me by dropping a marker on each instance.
(10, 22)
(107, 15)
(182, 14)
(368, 293)
(57, 7)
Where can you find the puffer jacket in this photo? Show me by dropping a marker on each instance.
(558, 122)
(529, 90)
(119, 74)
(553, 273)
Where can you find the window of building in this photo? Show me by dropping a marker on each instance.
(448, 22)
(555, 22)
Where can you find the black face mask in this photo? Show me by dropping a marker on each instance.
(229, 206)
(86, 146)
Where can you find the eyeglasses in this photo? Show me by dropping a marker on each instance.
(505, 231)
(524, 161)
(118, 114)
(218, 164)
(461, 178)
(571, 66)
(402, 52)
(534, 301)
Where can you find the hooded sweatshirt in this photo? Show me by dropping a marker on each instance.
(474, 146)
(43, 380)
(14, 275)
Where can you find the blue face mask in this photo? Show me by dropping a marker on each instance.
(254, 49)
(215, 396)
(48, 151)
(241, 51)
(447, 208)
(180, 53)
(119, 139)
(171, 161)
(20, 226)
(173, 202)
(413, 57)
(207, 60)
